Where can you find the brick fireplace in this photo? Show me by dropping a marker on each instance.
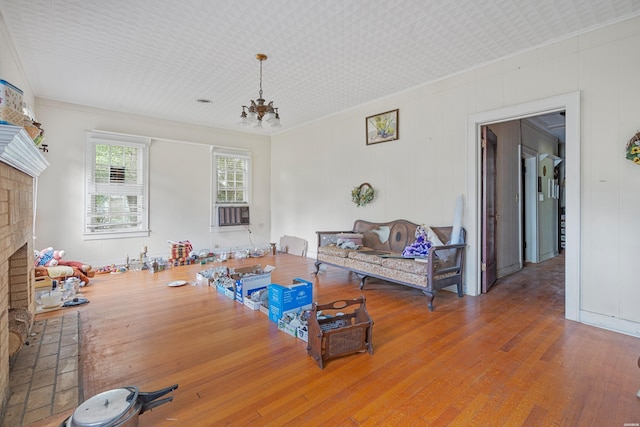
(20, 164)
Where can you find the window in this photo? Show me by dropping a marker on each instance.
(231, 188)
(231, 178)
(116, 196)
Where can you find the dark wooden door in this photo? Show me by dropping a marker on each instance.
(489, 264)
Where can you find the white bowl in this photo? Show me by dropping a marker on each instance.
(54, 299)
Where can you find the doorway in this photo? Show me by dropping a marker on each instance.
(570, 103)
(520, 201)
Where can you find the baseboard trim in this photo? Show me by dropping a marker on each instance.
(610, 323)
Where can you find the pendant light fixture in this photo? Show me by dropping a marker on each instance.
(258, 110)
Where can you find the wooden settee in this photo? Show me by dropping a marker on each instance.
(380, 256)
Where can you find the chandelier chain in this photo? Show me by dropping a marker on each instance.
(261, 78)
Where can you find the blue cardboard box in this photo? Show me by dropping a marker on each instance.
(286, 298)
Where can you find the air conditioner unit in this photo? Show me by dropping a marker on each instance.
(233, 215)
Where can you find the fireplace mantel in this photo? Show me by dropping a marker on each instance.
(18, 150)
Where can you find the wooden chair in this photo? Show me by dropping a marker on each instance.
(293, 245)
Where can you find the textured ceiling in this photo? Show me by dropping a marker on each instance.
(157, 57)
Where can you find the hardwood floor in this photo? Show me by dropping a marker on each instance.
(508, 358)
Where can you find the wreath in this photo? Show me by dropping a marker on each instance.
(633, 149)
(362, 195)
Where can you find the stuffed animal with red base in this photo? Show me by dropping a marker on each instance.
(85, 268)
(49, 258)
(61, 272)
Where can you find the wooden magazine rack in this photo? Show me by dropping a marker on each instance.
(340, 334)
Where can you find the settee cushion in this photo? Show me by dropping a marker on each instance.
(366, 256)
(333, 250)
(394, 262)
(406, 265)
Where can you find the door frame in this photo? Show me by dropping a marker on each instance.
(570, 103)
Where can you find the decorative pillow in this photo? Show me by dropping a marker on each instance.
(60, 271)
(433, 237)
(349, 240)
(383, 233)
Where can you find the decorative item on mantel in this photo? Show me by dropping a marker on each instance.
(362, 195)
(33, 128)
(36, 133)
(15, 112)
(633, 149)
(10, 104)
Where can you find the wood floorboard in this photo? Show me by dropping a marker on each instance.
(505, 358)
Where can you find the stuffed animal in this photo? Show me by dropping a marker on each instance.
(61, 272)
(51, 258)
(87, 269)
(419, 248)
(42, 257)
(48, 257)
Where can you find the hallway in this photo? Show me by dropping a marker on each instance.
(543, 281)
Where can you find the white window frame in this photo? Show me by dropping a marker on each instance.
(94, 138)
(228, 152)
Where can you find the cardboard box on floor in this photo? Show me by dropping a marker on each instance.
(283, 299)
(209, 276)
(255, 297)
(251, 278)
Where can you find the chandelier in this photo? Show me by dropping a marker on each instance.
(257, 111)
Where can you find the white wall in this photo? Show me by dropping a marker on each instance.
(10, 66)
(180, 184)
(314, 167)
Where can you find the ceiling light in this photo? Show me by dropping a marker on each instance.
(253, 114)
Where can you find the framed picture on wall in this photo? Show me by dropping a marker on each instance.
(382, 127)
